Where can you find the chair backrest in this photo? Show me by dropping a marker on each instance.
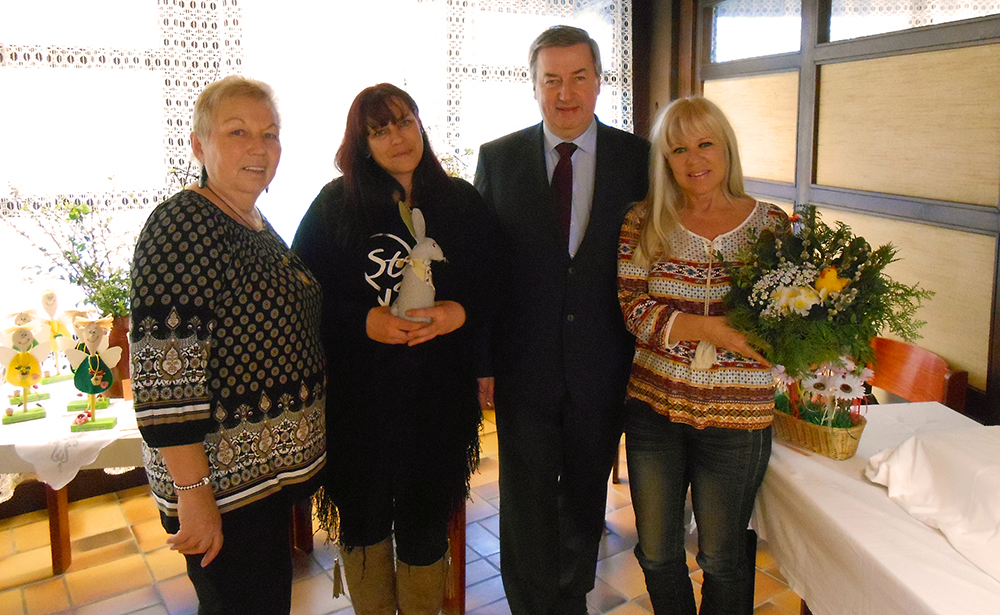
(917, 374)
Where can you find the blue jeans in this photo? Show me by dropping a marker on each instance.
(724, 468)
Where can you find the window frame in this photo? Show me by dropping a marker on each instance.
(815, 52)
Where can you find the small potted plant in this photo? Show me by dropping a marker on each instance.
(812, 298)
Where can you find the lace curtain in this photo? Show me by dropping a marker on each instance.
(488, 45)
(195, 43)
(754, 28)
(464, 91)
(856, 18)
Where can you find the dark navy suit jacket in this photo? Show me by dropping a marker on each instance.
(560, 327)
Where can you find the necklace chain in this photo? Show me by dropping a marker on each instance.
(246, 222)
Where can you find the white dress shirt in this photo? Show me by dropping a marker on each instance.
(584, 166)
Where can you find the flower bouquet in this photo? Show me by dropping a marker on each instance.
(812, 298)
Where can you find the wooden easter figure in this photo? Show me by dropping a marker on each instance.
(23, 360)
(23, 318)
(75, 341)
(78, 320)
(417, 288)
(93, 369)
(55, 325)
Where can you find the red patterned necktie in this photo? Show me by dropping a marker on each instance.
(562, 187)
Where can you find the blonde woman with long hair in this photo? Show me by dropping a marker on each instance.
(699, 396)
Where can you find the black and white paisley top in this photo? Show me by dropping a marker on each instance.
(225, 350)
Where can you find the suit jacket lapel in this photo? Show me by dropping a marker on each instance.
(603, 178)
(604, 183)
(536, 157)
(540, 192)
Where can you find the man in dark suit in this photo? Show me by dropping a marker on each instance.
(561, 354)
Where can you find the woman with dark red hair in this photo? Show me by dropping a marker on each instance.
(403, 413)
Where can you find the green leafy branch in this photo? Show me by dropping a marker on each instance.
(80, 247)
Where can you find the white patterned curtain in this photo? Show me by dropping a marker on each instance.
(489, 88)
(100, 93)
(856, 18)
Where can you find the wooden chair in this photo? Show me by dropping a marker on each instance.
(454, 598)
(302, 528)
(917, 374)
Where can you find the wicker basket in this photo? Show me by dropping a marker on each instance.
(835, 443)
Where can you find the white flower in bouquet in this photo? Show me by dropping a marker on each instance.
(803, 300)
(847, 386)
(817, 384)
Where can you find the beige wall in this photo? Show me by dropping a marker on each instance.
(763, 110)
(921, 124)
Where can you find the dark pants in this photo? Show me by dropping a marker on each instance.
(724, 468)
(555, 459)
(253, 572)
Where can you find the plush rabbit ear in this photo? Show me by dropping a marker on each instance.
(419, 226)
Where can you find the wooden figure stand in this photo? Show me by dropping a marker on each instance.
(23, 359)
(92, 367)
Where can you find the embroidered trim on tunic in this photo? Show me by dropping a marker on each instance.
(736, 392)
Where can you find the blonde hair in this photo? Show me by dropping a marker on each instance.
(233, 86)
(661, 207)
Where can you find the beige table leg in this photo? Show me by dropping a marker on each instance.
(58, 505)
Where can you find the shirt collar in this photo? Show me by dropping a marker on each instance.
(586, 141)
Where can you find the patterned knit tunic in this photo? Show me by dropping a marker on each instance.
(735, 392)
(226, 351)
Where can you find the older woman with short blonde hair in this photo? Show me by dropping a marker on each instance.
(228, 371)
(699, 397)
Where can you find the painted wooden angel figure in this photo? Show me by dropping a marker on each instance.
(76, 340)
(23, 318)
(57, 328)
(23, 360)
(93, 368)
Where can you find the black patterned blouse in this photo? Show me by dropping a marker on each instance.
(225, 350)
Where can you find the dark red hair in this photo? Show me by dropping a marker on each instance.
(365, 182)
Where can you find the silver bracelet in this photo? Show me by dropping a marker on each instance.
(200, 483)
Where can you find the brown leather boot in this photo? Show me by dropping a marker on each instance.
(371, 578)
(420, 589)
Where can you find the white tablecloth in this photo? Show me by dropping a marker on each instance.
(848, 549)
(48, 448)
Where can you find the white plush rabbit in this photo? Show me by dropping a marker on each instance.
(417, 288)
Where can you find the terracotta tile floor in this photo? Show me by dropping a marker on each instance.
(121, 564)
